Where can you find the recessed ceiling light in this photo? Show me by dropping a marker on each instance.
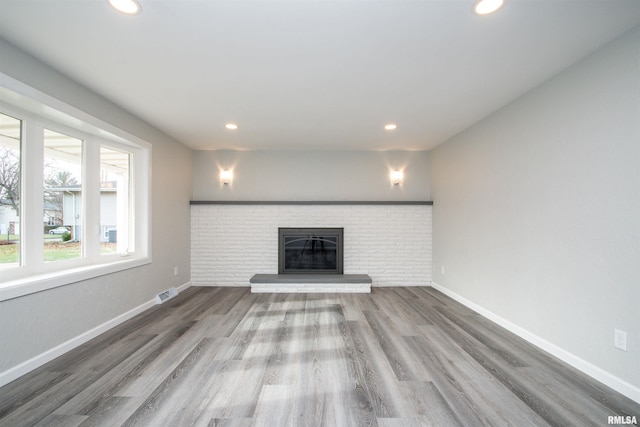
(231, 126)
(390, 126)
(129, 7)
(485, 7)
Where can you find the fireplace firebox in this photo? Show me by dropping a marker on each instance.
(310, 250)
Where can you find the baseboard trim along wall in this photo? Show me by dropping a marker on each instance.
(35, 362)
(618, 384)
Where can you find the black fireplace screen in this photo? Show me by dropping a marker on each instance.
(310, 250)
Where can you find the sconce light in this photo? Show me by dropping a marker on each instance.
(128, 7)
(396, 177)
(226, 176)
(486, 7)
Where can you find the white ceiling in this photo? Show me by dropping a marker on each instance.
(313, 74)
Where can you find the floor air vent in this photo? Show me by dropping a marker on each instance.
(166, 295)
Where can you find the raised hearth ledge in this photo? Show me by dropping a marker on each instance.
(319, 202)
(310, 283)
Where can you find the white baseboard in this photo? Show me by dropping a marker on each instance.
(35, 362)
(184, 286)
(599, 374)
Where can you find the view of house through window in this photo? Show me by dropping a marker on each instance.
(115, 221)
(63, 201)
(72, 195)
(10, 139)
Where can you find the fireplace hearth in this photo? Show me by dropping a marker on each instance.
(310, 250)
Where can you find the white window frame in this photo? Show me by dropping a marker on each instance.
(33, 274)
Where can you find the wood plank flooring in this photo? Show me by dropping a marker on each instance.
(226, 357)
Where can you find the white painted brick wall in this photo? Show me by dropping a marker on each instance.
(390, 243)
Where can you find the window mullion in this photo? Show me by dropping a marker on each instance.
(32, 195)
(92, 199)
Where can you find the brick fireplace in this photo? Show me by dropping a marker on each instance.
(232, 241)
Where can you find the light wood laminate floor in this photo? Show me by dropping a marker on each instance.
(226, 357)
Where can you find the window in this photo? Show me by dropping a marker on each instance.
(62, 196)
(10, 142)
(115, 202)
(70, 208)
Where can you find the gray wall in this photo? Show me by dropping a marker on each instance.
(537, 210)
(310, 175)
(35, 323)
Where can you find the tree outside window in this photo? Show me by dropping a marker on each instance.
(10, 141)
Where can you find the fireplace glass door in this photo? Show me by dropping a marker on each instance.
(310, 250)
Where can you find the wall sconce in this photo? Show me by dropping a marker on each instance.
(396, 177)
(128, 7)
(226, 176)
(486, 7)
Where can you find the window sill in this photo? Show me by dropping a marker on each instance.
(29, 285)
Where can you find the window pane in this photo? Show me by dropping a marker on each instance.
(10, 138)
(115, 202)
(62, 196)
